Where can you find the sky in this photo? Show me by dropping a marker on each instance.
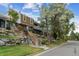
(74, 7)
(29, 9)
(32, 10)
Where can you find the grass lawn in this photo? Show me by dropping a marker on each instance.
(56, 43)
(7, 37)
(19, 50)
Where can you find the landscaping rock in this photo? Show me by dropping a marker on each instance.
(2, 43)
(5, 40)
(18, 41)
(10, 44)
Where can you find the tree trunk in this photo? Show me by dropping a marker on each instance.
(47, 29)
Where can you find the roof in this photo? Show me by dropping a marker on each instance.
(4, 17)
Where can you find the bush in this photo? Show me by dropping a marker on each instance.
(60, 41)
(45, 42)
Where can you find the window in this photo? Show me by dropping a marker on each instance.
(8, 26)
(2, 23)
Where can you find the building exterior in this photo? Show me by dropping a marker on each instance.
(5, 24)
(26, 20)
(26, 29)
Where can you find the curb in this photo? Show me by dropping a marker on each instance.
(50, 49)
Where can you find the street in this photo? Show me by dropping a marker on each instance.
(71, 48)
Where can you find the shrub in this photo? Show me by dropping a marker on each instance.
(44, 42)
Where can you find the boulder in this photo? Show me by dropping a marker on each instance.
(5, 40)
(2, 43)
(18, 41)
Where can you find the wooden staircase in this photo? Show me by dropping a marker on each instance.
(33, 38)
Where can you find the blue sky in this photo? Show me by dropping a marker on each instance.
(29, 9)
(32, 9)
